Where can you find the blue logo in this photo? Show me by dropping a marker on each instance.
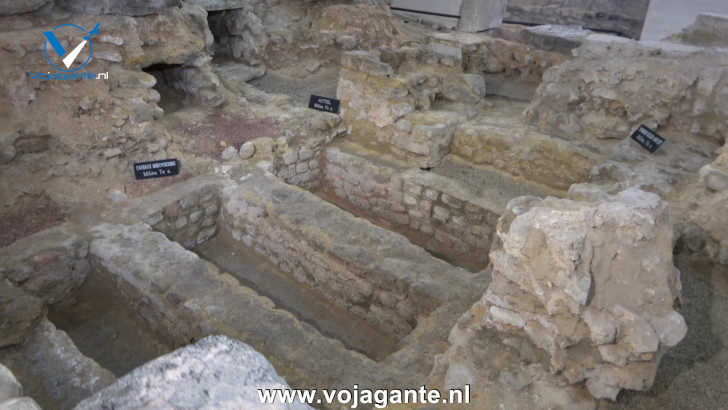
(68, 58)
(68, 62)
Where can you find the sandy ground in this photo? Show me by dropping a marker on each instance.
(666, 17)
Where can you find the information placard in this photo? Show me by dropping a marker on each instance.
(324, 104)
(156, 169)
(648, 139)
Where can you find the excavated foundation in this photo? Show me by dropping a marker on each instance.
(332, 299)
(103, 327)
(424, 234)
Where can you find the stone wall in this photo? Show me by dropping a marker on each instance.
(187, 212)
(373, 273)
(301, 165)
(613, 85)
(52, 368)
(378, 89)
(191, 220)
(480, 53)
(625, 17)
(708, 211)
(423, 204)
(524, 152)
(48, 265)
(186, 298)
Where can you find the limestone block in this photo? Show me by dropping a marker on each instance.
(216, 372)
(49, 265)
(247, 150)
(626, 303)
(19, 312)
(236, 72)
(580, 292)
(63, 372)
(20, 403)
(365, 62)
(9, 385)
(229, 153)
(714, 178)
(430, 137)
(549, 37)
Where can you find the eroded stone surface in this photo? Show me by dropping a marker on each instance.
(20, 403)
(709, 29)
(591, 285)
(49, 265)
(19, 312)
(59, 373)
(621, 16)
(216, 372)
(627, 86)
(9, 386)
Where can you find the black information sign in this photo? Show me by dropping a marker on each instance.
(324, 104)
(156, 169)
(649, 139)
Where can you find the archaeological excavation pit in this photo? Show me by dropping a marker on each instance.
(489, 196)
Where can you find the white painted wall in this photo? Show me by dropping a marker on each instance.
(451, 7)
(667, 17)
(477, 15)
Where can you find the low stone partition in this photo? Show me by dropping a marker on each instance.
(370, 271)
(186, 298)
(431, 209)
(524, 152)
